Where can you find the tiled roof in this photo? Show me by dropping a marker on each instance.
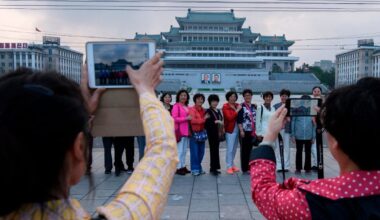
(174, 31)
(156, 37)
(210, 17)
(273, 40)
(295, 87)
(294, 77)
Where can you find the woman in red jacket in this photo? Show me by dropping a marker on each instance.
(199, 134)
(230, 112)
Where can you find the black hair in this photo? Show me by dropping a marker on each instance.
(245, 91)
(317, 87)
(304, 96)
(199, 95)
(230, 93)
(179, 93)
(41, 114)
(285, 92)
(163, 96)
(267, 93)
(351, 115)
(212, 97)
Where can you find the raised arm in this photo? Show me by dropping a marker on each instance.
(275, 201)
(145, 193)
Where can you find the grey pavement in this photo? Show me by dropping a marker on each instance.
(202, 197)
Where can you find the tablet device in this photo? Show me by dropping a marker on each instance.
(107, 61)
(302, 106)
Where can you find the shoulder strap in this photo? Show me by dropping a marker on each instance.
(261, 114)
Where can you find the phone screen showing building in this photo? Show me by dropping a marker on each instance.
(111, 61)
(303, 107)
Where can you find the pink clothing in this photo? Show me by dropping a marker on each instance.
(180, 114)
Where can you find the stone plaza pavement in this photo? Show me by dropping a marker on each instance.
(203, 197)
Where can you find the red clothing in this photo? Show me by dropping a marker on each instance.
(277, 202)
(230, 117)
(198, 118)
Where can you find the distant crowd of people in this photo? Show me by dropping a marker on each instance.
(235, 123)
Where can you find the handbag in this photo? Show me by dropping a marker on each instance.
(200, 136)
(221, 131)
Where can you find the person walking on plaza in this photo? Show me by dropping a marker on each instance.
(316, 93)
(230, 113)
(353, 139)
(180, 114)
(263, 114)
(303, 135)
(199, 134)
(166, 100)
(214, 125)
(44, 121)
(246, 122)
(285, 134)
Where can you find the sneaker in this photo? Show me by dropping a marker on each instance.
(195, 173)
(235, 169)
(230, 171)
(130, 170)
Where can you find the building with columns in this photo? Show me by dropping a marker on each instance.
(48, 56)
(212, 50)
(358, 63)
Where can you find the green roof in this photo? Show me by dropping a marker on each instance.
(174, 31)
(210, 17)
(156, 37)
(248, 33)
(274, 40)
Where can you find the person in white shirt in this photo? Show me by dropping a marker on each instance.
(263, 114)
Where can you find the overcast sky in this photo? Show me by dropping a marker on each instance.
(124, 24)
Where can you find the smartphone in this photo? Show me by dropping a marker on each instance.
(107, 61)
(302, 106)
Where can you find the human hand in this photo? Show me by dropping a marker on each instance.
(313, 141)
(242, 134)
(276, 123)
(238, 108)
(189, 118)
(91, 98)
(218, 122)
(207, 116)
(148, 76)
(293, 140)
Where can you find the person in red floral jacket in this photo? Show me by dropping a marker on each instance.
(351, 117)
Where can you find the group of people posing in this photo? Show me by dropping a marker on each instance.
(245, 123)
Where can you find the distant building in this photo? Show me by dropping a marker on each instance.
(16, 55)
(376, 63)
(325, 65)
(356, 64)
(62, 59)
(215, 45)
(47, 56)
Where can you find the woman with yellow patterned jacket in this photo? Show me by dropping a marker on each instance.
(43, 127)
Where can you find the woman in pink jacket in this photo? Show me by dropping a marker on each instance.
(180, 114)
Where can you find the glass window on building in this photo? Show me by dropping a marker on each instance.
(184, 38)
(220, 28)
(236, 39)
(195, 38)
(50, 51)
(10, 64)
(2, 56)
(10, 56)
(3, 64)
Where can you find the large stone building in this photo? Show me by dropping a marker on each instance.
(212, 50)
(356, 64)
(49, 55)
(325, 65)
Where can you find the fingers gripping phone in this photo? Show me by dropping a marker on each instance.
(107, 61)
